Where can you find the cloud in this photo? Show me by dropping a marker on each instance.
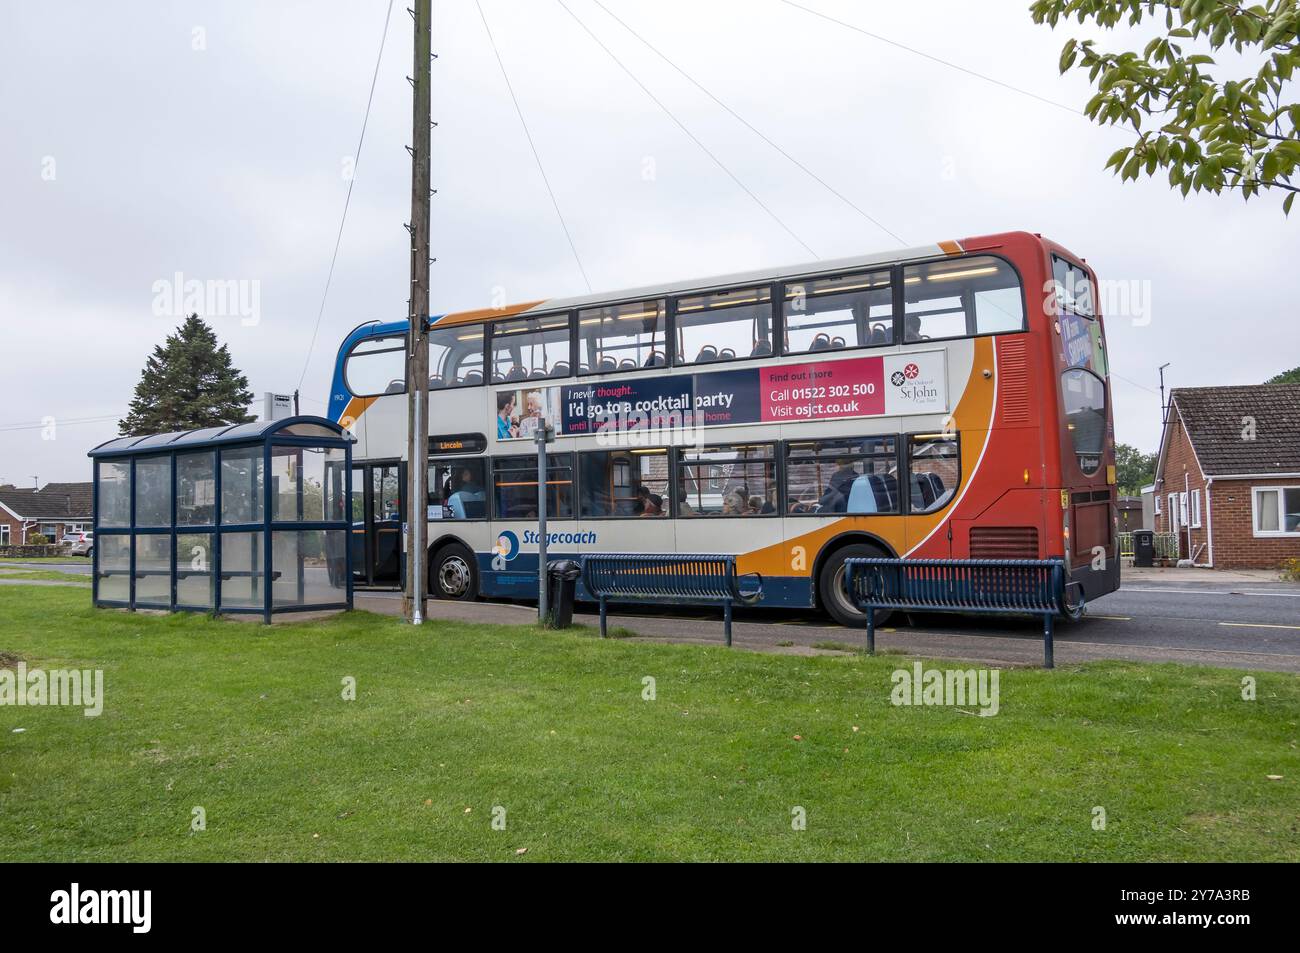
(227, 163)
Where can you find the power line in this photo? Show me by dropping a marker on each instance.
(680, 125)
(61, 422)
(807, 171)
(532, 145)
(935, 59)
(348, 200)
(1134, 383)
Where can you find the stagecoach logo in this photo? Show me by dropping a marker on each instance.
(506, 549)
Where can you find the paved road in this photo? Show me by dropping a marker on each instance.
(1244, 620)
(1196, 617)
(79, 567)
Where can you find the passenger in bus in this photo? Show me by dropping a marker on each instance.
(862, 496)
(467, 498)
(912, 329)
(735, 503)
(506, 407)
(652, 504)
(836, 497)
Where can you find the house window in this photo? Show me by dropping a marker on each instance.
(1196, 509)
(50, 531)
(1173, 512)
(1156, 499)
(1182, 510)
(1276, 510)
(4, 534)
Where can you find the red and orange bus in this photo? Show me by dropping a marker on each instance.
(950, 401)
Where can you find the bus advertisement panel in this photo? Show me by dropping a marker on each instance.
(880, 385)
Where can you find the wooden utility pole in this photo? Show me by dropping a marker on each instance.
(417, 357)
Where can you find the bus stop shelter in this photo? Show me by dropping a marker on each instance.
(249, 518)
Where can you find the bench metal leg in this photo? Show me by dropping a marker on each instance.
(602, 617)
(871, 630)
(726, 621)
(1048, 621)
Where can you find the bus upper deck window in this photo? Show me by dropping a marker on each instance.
(455, 356)
(1074, 291)
(827, 314)
(622, 337)
(724, 326)
(376, 366)
(961, 297)
(530, 348)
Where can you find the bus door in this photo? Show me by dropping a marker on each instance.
(378, 511)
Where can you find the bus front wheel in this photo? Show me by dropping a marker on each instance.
(832, 594)
(453, 574)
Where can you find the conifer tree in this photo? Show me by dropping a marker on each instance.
(188, 382)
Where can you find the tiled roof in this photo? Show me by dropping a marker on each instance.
(1242, 430)
(54, 501)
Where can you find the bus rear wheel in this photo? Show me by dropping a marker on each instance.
(453, 574)
(830, 587)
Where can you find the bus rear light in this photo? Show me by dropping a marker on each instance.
(1026, 476)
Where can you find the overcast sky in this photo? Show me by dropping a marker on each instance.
(143, 139)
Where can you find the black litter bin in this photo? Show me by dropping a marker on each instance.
(561, 581)
(1144, 548)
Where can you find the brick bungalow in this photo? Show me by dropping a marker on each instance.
(1228, 475)
(52, 511)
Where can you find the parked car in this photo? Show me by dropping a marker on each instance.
(79, 544)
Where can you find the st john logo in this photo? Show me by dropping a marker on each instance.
(132, 907)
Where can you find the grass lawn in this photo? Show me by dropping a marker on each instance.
(452, 720)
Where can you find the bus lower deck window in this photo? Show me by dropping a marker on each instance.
(934, 471)
(727, 481)
(623, 483)
(857, 476)
(514, 481)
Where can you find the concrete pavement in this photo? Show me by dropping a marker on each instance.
(1247, 620)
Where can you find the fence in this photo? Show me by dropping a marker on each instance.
(1166, 546)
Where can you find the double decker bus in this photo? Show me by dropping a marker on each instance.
(945, 401)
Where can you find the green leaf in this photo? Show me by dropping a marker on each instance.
(1287, 203)
(1068, 55)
